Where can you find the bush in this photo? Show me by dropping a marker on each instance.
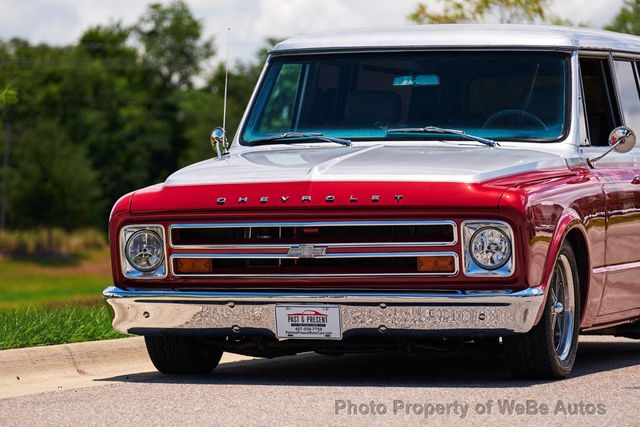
(35, 242)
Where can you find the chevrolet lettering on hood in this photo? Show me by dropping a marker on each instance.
(284, 199)
(435, 187)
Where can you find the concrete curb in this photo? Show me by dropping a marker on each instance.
(39, 369)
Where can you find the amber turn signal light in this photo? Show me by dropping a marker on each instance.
(437, 264)
(193, 265)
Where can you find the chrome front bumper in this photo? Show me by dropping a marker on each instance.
(144, 312)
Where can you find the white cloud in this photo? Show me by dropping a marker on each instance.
(63, 21)
(593, 12)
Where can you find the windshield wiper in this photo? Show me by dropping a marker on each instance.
(458, 132)
(297, 135)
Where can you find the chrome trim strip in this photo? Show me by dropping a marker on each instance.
(494, 296)
(316, 224)
(616, 267)
(479, 311)
(333, 255)
(328, 255)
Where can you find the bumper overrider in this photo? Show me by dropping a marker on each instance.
(153, 312)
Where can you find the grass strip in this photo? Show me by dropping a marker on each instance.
(34, 326)
(25, 283)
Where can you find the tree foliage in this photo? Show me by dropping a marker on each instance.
(464, 11)
(8, 96)
(627, 20)
(172, 41)
(51, 182)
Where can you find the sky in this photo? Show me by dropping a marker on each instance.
(62, 22)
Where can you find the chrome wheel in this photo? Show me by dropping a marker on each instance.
(563, 303)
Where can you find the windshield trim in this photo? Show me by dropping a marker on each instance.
(323, 53)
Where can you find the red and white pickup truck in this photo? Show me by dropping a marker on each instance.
(417, 187)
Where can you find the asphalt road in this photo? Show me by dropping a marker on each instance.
(314, 389)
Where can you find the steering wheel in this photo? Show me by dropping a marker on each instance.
(514, 117)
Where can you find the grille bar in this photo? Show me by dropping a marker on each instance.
(390, 264)
(285, 235)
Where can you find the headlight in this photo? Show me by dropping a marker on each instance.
(142, 251)
(145, 250)
(490, 248)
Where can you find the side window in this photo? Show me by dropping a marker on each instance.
(602, 111)
(628, 92)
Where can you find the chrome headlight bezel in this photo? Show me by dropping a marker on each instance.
(472, 268)
(128, 270)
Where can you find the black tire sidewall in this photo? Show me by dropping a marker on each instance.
(563, 367)
(182, 354)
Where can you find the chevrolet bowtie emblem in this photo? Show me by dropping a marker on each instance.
(307, 251)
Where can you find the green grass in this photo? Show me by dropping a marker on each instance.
(44, 303)
(32, 326)
(27, 282)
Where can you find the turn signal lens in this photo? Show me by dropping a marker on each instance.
(437, 264)
(192, 265)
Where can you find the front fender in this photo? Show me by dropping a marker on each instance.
(553, 209)
(569, 222)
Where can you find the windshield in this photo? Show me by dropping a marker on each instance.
(517, 96)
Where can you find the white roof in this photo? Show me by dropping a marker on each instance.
(463, 35)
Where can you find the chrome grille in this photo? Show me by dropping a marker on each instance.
(314, 249)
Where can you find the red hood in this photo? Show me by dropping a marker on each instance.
(316, 195)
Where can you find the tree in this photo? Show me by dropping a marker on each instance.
(174, 54)
(507, 11)
(628, 18)
(172, 40)
(8, 96)
(116, 112)
(51, 183)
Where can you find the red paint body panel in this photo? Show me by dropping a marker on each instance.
(621, 297)
(204, 198)
(552, 207)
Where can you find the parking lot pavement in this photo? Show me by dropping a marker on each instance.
(362, 389)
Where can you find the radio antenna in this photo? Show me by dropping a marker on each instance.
(226, 83)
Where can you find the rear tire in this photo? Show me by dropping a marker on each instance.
(549, 350)
(182, 355)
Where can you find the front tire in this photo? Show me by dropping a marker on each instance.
(549, 350)
(182, 355)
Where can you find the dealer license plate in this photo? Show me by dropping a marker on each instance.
(308, 322)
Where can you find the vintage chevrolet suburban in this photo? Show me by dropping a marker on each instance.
(411, 188)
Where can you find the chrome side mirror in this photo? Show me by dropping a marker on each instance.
(219, 142)
(621, 139)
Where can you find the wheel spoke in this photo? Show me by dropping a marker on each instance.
(560, 293)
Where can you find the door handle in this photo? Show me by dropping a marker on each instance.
(636, 180)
